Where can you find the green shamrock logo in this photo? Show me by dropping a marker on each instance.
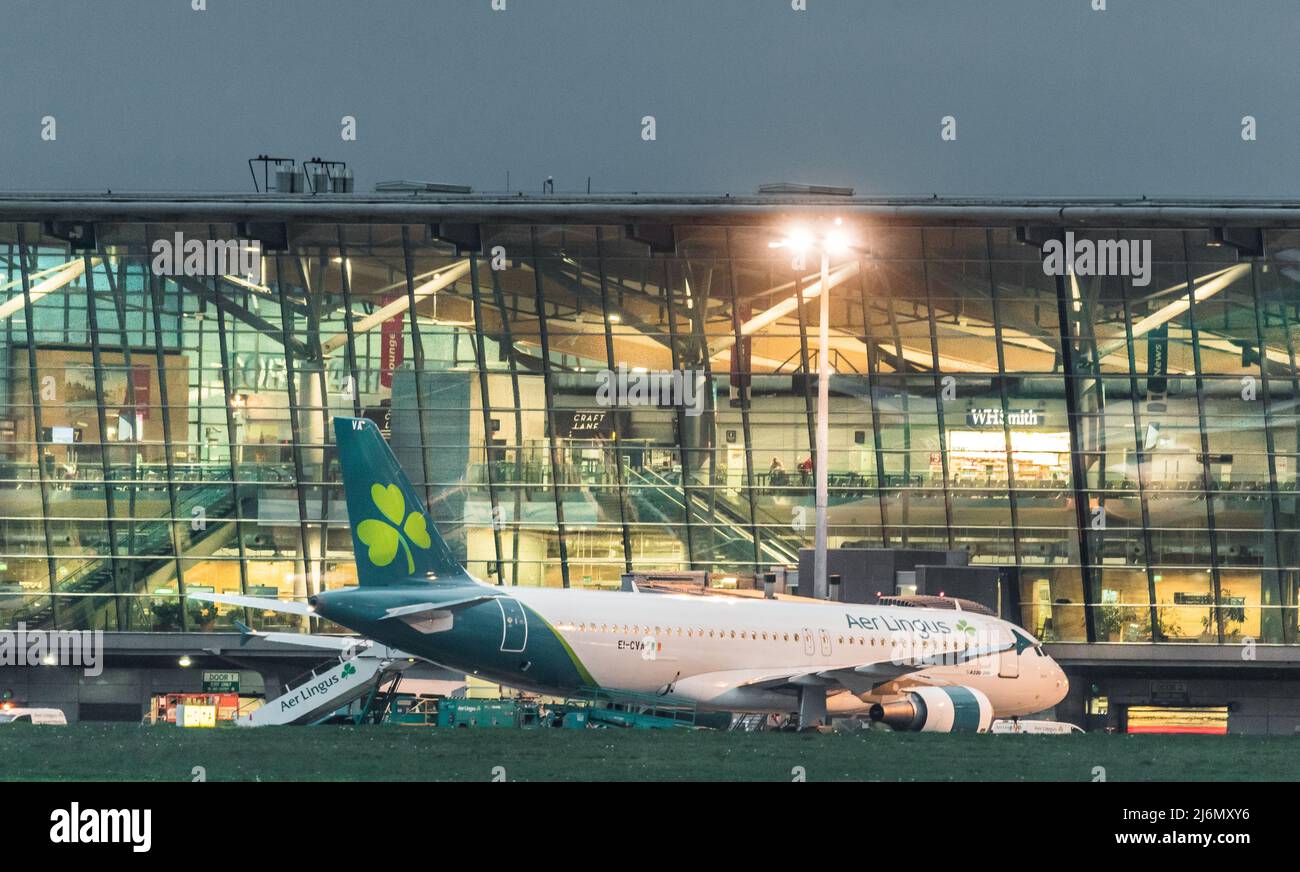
(963, 627)
(384, 537)
(349, 669)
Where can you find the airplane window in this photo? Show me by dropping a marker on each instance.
(841, 640)
(733, 634)
(710, 634)
(796, 637)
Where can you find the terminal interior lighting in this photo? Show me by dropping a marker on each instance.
(834, 240)
(185, 662)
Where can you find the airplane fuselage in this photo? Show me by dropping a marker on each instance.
(718, 652)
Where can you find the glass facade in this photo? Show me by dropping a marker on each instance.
(1129, 453)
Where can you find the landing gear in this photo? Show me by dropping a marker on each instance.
(812, 707)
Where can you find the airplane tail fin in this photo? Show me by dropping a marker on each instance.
(392, 535)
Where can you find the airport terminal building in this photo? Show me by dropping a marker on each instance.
(1098, 400)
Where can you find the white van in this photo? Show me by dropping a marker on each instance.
(50, 716)
(1041, 727)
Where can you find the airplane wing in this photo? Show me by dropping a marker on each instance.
(858, 680)
(870, 677)
(292, 607)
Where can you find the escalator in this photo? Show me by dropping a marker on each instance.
(148, 547)
(657, 499)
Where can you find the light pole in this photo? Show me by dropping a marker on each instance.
(831, 241)
(821, 459)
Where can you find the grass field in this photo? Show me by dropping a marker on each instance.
(129, 752)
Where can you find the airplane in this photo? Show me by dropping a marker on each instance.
(912, 668)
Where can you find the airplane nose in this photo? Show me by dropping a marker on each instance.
(1062, 682)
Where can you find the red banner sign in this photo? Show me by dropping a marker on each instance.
(392, 346)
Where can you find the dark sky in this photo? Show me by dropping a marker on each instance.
(1051, 98)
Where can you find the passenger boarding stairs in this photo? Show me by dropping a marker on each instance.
(329, 690)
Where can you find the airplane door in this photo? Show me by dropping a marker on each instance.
(514, 632)
(809, 646)
(825, 638)
(1009, 661)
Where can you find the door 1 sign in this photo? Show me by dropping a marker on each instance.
(221, 682)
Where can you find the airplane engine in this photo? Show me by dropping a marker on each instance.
(937, 710)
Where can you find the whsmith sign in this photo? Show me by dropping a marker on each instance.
(992, 417)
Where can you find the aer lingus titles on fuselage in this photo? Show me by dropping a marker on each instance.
(915, 668)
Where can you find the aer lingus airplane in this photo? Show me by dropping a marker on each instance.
(913, 668)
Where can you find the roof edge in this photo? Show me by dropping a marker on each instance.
(639, 208)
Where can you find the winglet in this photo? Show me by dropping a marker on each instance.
(245, 633)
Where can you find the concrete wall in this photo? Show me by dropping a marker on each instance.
(69, 688)
(1256, 706)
